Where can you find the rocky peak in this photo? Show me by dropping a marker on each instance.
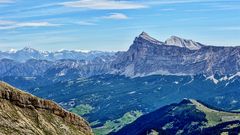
(145, 36)
(180, 42)
(16, 102)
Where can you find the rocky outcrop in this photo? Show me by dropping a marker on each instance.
(23, 113)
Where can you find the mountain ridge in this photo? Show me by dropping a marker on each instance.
(186, 117)
(24, 104)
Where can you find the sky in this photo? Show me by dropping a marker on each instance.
(112, 25)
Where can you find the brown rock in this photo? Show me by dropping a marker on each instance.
(22, 113)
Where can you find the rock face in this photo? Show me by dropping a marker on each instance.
(147, 56)
(22, 113)
(187, 117)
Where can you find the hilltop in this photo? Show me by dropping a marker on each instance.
(187, 117)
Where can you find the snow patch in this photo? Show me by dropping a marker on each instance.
(12, 51)
(233, 76)
(233, 102)
(213, 79)
(132, 92)
(62, 73)
(176, 82)
(129, 70)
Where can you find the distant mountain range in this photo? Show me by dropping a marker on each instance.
(189, 117)
(27, 53)
(146, 56)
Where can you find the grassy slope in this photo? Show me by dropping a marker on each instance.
(82, 109)
(115, 125)
(215, 117)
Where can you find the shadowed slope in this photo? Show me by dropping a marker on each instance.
(187, 117)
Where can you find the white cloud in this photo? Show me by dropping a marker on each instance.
(4, 25)
(116, 16)
(103, 4)
(36, 24)
(94, 21)
(86, 23)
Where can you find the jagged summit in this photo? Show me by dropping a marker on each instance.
(172, 41)
(146, 36)
(180, 42)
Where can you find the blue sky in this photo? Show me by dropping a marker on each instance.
(112, 25)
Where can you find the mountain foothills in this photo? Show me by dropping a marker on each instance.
(188, 117)
(112, 90)
(22, 113)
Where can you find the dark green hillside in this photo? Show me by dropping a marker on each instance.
(187, 117)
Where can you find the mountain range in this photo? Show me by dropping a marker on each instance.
(29, 53)
(146, 56)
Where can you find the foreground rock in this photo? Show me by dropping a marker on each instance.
(22, 113)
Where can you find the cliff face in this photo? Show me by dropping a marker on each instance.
(22, 113)
(147, 56)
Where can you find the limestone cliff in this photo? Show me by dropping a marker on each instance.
(22, 113)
